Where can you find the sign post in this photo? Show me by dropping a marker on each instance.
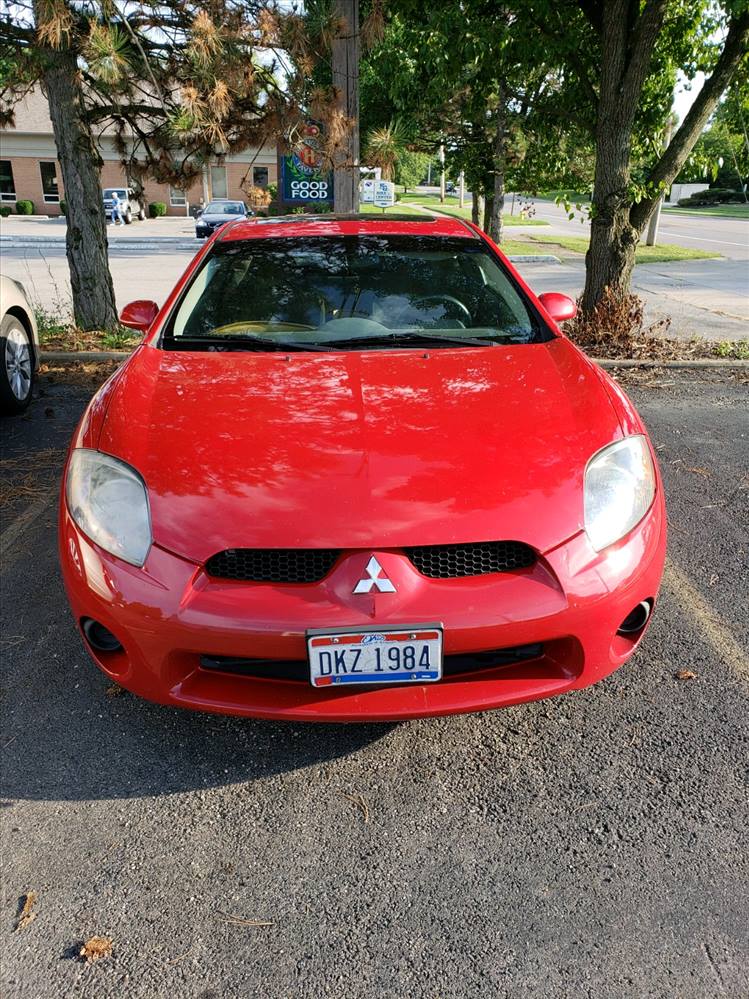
(384, 194)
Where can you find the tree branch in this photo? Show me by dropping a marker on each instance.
(674, 157)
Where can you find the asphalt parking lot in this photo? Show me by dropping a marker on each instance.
(590, 845)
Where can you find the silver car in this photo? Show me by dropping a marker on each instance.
(19, 347)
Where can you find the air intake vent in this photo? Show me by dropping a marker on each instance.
(454, 561)
(273, 565)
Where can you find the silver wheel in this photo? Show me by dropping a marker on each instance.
(18, 363)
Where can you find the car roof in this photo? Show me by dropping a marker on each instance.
(262, 227)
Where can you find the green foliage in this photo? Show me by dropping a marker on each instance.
(156, 209)
(4, 211)
(411, 168)
(24, 207)
(63, 206)
(273, 191)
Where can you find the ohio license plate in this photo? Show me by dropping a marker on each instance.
(408, 655)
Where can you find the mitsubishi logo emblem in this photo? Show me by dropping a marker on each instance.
(375, 577)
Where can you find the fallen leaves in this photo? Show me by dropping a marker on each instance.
(95, 948)
(686, 674)
(114, 690)
(25, 915)
(360, 802)
(698, 471)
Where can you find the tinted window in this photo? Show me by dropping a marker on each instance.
(225, 208)
(327, 290)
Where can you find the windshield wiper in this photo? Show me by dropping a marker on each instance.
(396, 339)
(249, 342)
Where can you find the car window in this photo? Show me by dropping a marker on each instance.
(225, 208)
(110, 191)
(335, 291)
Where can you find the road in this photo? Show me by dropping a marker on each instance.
(706, 298)
(593, 845)
(729, 237)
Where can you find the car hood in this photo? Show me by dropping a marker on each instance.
(214, 219)
(371, 449)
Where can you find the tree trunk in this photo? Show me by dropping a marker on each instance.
(475, 207)
(345, 65)
(611, 254)
(498, 201)
(488, 209)
(86, 239)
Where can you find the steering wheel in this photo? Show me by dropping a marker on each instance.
(350, 327)
(445, 298)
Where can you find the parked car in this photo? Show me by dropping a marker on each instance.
(19, 347)
(355, 471)
(130, 205)
(217, 213)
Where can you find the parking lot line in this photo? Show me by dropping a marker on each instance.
(714, 631)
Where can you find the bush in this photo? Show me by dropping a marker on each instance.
(25, 207)
(272, 190)
(63, 207)
(4, 211)
(156, 209)
(713, 196)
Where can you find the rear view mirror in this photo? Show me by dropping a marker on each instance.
(559, 307)
(139, 315)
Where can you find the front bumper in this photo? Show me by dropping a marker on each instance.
(170, 613)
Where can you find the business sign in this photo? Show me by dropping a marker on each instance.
(366, 193)
(384, 193)
(303, 176)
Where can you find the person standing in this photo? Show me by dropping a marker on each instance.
(116, 209)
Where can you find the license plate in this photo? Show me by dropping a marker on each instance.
(409, 655)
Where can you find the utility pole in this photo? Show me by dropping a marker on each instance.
(655, 218)
(442, 173)
(345, 65)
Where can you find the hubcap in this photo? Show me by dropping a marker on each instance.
(18, 363)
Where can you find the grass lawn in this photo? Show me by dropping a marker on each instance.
(565, 192)
(397, 209)
(645, 254)
(724, 211)
(465, 213)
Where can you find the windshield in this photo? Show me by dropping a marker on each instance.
(120, 192)
(353, 291)
(225, 208)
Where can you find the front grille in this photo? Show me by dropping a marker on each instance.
(454, 561)
(273, 565)
(298, 669)
(310, 565)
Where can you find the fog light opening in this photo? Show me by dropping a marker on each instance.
(99, 637)
(636, 619)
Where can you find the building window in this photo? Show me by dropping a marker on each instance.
(260, 176)
(177, 198)
(218, 182)
(49, 183)
(7, 187)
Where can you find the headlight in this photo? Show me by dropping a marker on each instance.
(108, 501)
(619, 488)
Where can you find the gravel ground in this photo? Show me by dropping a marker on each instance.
(589, 845)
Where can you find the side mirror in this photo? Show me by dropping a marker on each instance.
(559, 307)
(139, 315)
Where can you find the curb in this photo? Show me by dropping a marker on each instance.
(533, 258)
(83, 356)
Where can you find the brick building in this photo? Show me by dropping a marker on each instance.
(29, 169)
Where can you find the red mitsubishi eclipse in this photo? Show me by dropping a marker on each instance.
(356, 472)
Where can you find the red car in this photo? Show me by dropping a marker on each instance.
(356, 472)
